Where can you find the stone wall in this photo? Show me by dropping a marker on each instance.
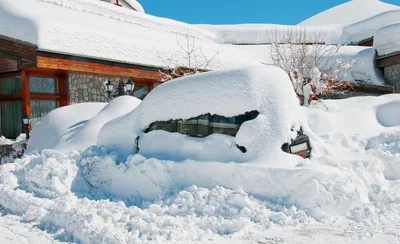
(8, 153)
(87, 87)
(392, 75)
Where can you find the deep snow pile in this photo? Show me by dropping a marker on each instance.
(226, 93)
(386, 40)
(367, 28)
(350, 184)
(76, 127)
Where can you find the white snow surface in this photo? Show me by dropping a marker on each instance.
(227, 93)
(348, 192)
(267, 33)
(367, 28)
(386, 40)
(122, 35)
(62, 123)
(349, 13)
(75, 127)
(109, 33)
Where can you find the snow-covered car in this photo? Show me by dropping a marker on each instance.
(230, 115)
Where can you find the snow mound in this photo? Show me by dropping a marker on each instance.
(388, 115)
(76, 127)
(61, 123)
(367, 28)
(386, 146)
(363, 115)
(191, 214)
(350, 12)
(227, 93)
(386, 40)
(349, 187)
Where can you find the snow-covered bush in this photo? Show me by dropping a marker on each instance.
(306, 53)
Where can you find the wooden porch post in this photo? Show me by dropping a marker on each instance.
(25, 95)
(63, 89)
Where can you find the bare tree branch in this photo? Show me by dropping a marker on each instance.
(195, 60)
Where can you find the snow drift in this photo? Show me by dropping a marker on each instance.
(367, 28)
(386, 39)
(350, 183)
(76, 127)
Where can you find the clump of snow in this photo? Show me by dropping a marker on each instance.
(226, 93)
(386, 40)
(5, 141)
(76, 127)
(349, 12)
(386, 146)
(136, 5)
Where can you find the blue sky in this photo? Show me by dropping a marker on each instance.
(240, 11)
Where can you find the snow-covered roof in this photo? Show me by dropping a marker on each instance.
(386, 40)
(135, 5)
(365, 29)
(126, 36)
(350, 12)
(108, 32)
(267, 33)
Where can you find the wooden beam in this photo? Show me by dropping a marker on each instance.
(373, 89)
(25, 95)
(10, 97)
(369, 42)
(57, 63)
(45, 96)
(18, 50)
(390, 60)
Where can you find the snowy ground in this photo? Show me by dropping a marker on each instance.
(348, 193)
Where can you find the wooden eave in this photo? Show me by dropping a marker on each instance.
(368, 42)
(22, 53)
(82, 64)
(386, 60)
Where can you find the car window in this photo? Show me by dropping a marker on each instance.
(204, 125)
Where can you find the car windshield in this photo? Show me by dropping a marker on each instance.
(204, 125)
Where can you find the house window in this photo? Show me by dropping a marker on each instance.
(140, 91)
(204, 125)
(10, 85)
(11, 119)
(39, 108)
(43, 84)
